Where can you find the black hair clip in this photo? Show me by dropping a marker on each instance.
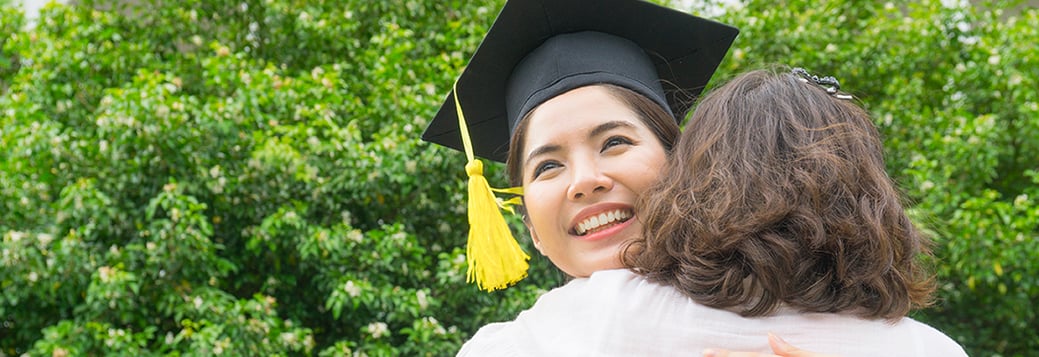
(828, 83)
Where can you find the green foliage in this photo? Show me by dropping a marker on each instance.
(242, 178)
(245, 178)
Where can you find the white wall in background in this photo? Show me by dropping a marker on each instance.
(31, 8)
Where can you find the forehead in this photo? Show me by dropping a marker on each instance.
(574, 113)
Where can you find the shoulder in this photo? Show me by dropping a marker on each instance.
(621, 281)
(491, 341)
(613, 291)
(937, 343)
(608, 292)
(608, 312)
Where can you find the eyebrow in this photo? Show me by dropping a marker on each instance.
(607, 126)
(598, 130)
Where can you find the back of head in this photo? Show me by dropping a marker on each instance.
(777, 194)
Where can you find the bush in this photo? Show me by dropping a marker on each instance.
(218, 177)
(245, 178)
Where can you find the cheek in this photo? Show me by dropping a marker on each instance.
(652, 173)
(538, 206)
(544, 201)
(642, 177)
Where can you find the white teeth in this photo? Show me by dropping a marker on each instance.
(602, 219)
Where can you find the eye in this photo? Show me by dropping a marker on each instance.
(615, 141)
(544, 166)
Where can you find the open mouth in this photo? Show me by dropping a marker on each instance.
(602, 221)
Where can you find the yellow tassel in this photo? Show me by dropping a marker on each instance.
(495, 259)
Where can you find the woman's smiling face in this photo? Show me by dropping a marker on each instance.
(586, 158)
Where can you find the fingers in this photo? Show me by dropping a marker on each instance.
(780, 347)
(784, 349)
(717, 352)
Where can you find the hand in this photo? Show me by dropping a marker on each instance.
(779, 347)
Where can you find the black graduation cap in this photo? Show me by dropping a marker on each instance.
(537, 49)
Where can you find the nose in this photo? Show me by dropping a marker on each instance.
(588, 179)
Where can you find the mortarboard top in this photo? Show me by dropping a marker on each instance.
(537, 49)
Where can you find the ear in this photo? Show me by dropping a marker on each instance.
(533, 235)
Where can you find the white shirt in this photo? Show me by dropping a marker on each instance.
(619, 313)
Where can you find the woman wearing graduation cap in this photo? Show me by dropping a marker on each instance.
(582, 99)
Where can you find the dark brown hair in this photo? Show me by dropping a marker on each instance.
(663, 125)
(777, 194)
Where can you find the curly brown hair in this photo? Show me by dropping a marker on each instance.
(777, 195)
